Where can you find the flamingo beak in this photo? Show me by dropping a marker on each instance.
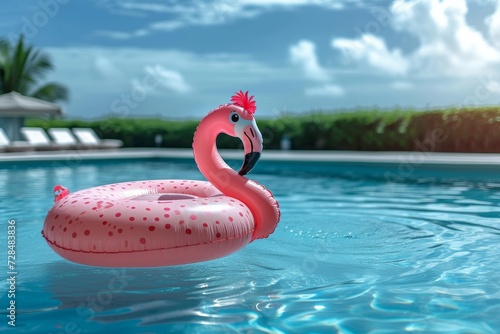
(252, 143)
(249, 163)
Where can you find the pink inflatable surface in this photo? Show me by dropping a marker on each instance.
(171, 222)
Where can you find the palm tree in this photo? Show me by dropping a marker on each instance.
(21, 69)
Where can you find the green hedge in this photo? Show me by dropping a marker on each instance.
(450, 130)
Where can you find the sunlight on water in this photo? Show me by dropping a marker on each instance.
(351, 255)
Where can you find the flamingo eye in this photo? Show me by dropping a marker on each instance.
(234, 117)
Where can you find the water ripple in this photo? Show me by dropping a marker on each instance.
(351, 254)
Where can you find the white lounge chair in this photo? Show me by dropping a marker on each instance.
(89, 138)
(39, 139)
(6, 145)
(64, 136)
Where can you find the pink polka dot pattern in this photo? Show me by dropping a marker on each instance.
(97, 222)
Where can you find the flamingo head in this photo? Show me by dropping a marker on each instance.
(237, 121)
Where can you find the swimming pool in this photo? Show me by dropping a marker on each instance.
(354, 253)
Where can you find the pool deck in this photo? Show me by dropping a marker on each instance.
(491, 160)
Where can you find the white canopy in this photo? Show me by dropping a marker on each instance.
(14, 104)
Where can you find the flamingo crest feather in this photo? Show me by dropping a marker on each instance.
(241, 99)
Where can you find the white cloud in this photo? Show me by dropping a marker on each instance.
(174, 83)
(326, 90)
(290, 3)
(169, 79)
(192, 84)
(303, 54)
(494, 87)
(494, 26)
(202, 13)
(373, 51)
(199, 13)
(448, 45)
(122, 35)
(104, 67)
(148, 7)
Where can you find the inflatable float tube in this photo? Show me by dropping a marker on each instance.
(171, 222)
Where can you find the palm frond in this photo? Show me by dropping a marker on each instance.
(52, 92)
(22, 67)
(4, 63)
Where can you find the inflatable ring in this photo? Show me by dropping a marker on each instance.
(171, 222)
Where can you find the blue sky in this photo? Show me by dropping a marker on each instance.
(179, 59)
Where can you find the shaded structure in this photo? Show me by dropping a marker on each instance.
(14, 108)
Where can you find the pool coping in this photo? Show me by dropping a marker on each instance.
(350, 157)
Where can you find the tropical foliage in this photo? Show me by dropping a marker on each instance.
(450, 130)
(22, 68)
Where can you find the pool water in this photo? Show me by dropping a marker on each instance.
(352, 254)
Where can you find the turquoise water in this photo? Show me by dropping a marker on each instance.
(353, 253)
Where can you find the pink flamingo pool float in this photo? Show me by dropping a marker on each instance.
(171, 222)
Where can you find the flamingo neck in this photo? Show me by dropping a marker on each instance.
(258, 199)
(208, 159)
